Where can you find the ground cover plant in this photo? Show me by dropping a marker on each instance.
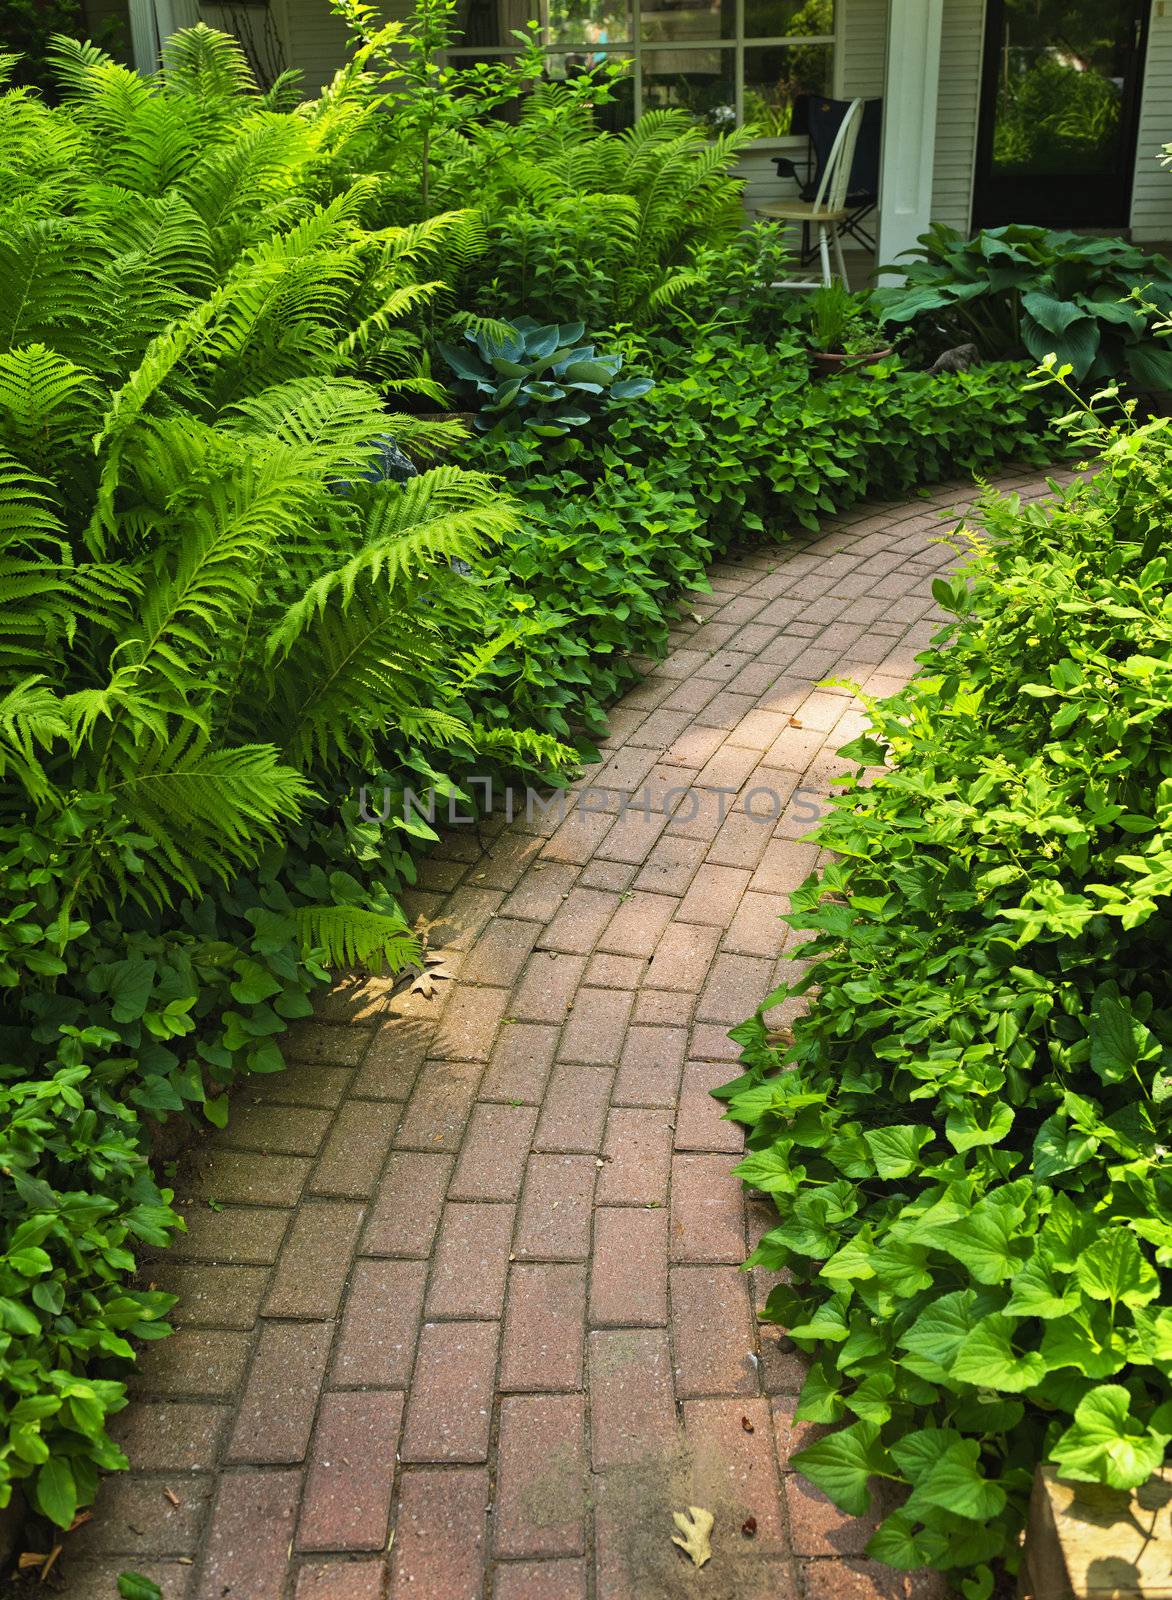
(1098, 305)
(229, 601)
(967, 1137)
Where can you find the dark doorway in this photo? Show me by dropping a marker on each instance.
(1059, 110)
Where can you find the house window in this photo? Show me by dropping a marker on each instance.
(727, 62)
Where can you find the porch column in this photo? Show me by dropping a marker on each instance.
(144, 36)
(909, 125)
(152, 22)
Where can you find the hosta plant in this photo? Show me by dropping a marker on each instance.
(1095, 304)
(543, 379)
(967, 1139)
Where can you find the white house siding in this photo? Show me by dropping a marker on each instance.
(1151, 195)
(958, 108)
(863, 32)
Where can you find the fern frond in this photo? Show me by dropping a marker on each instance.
(346, 679)
(45, 400)
(206, 65)
(46, 291)
(445, 512)
(529, 744)
(30, 721)
(351, 936)
(208, 810)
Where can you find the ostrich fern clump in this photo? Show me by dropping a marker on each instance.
(216, 622)
(195, 353)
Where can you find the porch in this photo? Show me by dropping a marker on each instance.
(743, 60)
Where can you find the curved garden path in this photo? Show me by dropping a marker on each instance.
(469, 1270)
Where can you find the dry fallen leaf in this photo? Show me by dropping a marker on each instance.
(172, 1496)
(695, 1527)
(431, 970)
(48, 1566)
(746, 1425)
(31, 1558)
(795, 722)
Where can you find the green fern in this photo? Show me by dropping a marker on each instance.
(352, 936)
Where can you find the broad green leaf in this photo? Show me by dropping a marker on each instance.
(871, 1400)
(841, 1464)
(57, 1492)
(821, 1397)
(988, 1241)
(896, 1543)
(1053, 315)
(1119, 1042)
(1106, 1444)
(1086, 1340)
(971, 1125)
(954, 1482)
(852, 1261)
(896, 1151)
(769, 1170)
(130, 986)
(989, 1360)
(133, 1586)
(942, 1328)
(1041, 1290)
(1114, 1269)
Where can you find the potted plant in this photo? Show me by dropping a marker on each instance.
(842, 331)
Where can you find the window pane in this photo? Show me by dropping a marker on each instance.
(701, 81)
(775, 75)
(796, 19)
(619, 112)
(587, 22)
(665, 21)
(1060, 88)
(489, 24)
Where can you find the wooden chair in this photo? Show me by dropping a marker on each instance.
(827, 211)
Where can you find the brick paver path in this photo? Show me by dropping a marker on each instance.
(473, 1269)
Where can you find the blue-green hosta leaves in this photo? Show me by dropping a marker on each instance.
(1106, 1444)
(1094, 304)
(552, 383)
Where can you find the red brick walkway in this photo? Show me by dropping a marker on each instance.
(471, 1275)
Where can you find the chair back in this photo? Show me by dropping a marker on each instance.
(819, 118)
(834, 178)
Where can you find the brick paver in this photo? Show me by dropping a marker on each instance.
(468, 1273)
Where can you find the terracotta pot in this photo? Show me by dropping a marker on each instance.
(825, 361)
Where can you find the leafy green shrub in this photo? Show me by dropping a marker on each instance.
(967, 1138)
(1055, 118)
(732, 442)
(732, 289)
(77, 1200)
(540, 378)
(1018, 290)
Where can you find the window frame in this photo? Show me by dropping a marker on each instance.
(634, 48)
